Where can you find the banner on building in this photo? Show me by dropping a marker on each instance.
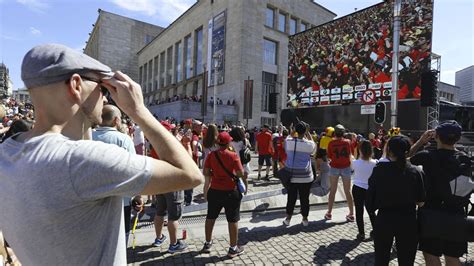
(354, 53)
(216, 48)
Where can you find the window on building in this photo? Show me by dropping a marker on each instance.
(169, 66)
(150, 75)
(303, 26)
(187, 57)
(268, 120)
(145, 81)
(140, 73)
(270, 17)
(292, 26)
(162, 69)
(281, 22)
(198, 52)
(268, 86)
(155, 73)
(178, 64)
(269, 52)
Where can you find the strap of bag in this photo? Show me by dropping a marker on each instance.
(294, 152)
(225, 169)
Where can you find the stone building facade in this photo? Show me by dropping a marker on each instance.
(115, 41)
(6, 86)
(448, 92)
(172, 66)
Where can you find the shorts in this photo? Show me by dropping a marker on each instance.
(438, 247)
(344, 172)
(267, 158)
(229, 200)
(170, 204)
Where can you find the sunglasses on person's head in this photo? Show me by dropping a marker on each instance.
(104, 90)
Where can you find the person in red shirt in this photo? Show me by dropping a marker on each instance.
(339, 153)
(220, 191)
(265, 150)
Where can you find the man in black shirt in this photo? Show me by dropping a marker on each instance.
(441, 166)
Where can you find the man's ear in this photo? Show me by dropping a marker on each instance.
(74, 87)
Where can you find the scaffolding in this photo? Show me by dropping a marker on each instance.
(433, 111)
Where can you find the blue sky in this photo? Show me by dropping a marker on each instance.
(26, 23)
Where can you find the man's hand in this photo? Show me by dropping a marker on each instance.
(126, 93)
(427, 136)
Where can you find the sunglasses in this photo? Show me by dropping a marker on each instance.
(104, 90)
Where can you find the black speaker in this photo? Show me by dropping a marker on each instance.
(272, 103)
(429, 88)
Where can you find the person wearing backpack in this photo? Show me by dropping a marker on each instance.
(241, 146)
(441, 166)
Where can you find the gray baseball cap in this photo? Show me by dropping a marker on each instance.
(51, 63)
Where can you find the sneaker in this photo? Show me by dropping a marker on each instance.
(235, 252)
(360, 236)
(286, 222)
(267, 177)
(207, 247)
(305, 223)
(328, 216)
(350, 218)
(178, 247)
(159, 242)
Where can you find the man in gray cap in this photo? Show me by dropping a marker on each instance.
(73, 186)
(444, 168)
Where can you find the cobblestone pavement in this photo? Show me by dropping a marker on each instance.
(321, 242)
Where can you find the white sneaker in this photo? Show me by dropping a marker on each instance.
(286, 222)
(305, 223)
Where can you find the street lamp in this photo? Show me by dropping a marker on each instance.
(216, 64)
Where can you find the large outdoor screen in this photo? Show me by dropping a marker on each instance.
(335, 63)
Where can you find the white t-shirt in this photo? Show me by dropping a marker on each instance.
(362, 172)
(73, 191)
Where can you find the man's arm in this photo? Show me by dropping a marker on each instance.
(175, 170)
(425, 138)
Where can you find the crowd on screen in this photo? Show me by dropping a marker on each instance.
(357, 50)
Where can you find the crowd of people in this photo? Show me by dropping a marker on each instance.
(357, 50)
(193, 98)
(92, 162)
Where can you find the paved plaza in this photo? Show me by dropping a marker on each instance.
(267, 241)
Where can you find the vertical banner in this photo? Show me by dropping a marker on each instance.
(217, 48)
(209, 52)
(248, 98)
(204, 94)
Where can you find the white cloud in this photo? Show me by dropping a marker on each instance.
(11, 38)
(34, 5)
(35, 31)
(167, 10)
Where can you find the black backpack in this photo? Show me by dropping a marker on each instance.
(245, 154)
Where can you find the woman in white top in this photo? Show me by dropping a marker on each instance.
(239, 142)
(362, 170)
(298, 162)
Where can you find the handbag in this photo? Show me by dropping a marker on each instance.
(284, 174)
(238, 181)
